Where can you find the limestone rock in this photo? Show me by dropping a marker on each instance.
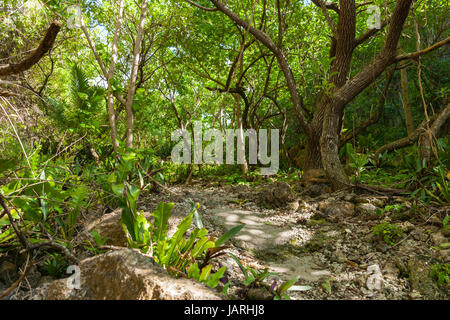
(109, 226)
(366, 209)
(438, 238)
(419, 277)
(276, 195)
(333, 208)
(128, 275)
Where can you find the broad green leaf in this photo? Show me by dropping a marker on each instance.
(214, 278)
(175, 242)
(201, 246)
(161, 215)
(286, 285)
(197, 218)
(129, 221)
(193, 271)
(228, 235)
(205, 272)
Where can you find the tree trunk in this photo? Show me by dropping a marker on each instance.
(240, 136)
(405, 97)
(133, 76)
(112, 67)
(347, 90)
(313, 158)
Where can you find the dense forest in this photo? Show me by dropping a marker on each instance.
(237, 150)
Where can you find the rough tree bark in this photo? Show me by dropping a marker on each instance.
(36, 55)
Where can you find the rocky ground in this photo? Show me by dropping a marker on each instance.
(326, 240)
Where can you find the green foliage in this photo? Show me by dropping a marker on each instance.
(395, 208)
(99, 241)
(445, 223)
(441, 186)
(56, 265)
(389, 233)
(357, 161)
(50, 202)
(181, 254)
(255, 278)
(327, 286)
(441, 274)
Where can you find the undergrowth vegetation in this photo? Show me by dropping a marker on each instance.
(87, 121)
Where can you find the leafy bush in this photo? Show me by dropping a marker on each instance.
(441, 274)
(46, 199)
(180, 254)
(255, 278)
(389, 233)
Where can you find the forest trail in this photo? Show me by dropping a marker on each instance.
(327, 242)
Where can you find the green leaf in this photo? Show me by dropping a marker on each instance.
(197, 218)
(193, 271)
(44, 209)
(244, 271)
(228, 235)
(248, 280)
(128, 220)
(205, 273)
(117, 189)
(327, 286)
(142, 230)
(161, 215)
(214, 278)
(444, 245)
(286, 285)
(175, 243)
(197, 233)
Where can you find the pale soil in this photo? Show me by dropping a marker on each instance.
(326, 241)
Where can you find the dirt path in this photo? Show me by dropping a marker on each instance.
(325, 240)
(328, 242)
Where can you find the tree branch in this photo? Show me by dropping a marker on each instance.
(45, 45)
(284, 65)
(327, 5)
(417, 54)
(438, 121)
(369, 33)
(200, 6)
